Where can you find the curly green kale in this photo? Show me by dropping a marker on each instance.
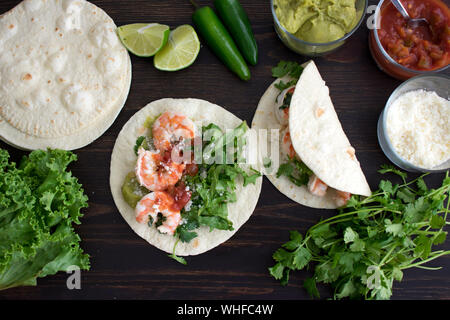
(39, 202)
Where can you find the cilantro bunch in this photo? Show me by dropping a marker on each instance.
(39, 202)
(363, 249)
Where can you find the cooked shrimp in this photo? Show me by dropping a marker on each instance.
(316, 186)
(286, 144)
(342, 198)
(172, 129)
(155, 172)
(282, 106)
(282, 115)
(155, 203)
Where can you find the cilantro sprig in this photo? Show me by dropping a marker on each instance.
(368, 245)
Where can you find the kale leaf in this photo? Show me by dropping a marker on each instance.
(39, 203)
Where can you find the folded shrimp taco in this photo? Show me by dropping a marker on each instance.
(315, 164)
(167, 179)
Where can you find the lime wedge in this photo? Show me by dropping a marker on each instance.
(143, 39)
(181, 50)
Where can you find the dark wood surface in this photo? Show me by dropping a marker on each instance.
(123, 266)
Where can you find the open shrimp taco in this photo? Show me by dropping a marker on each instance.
(168, 180)
(316, 165)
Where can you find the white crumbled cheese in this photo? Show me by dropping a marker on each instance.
(166, 167)
(188, 205)
(139, 193)
(418, 128)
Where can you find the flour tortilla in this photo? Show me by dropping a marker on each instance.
(64, 74)
(318, 137)
(320, 153)
(123, 161)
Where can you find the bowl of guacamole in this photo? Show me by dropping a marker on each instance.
(317, 27)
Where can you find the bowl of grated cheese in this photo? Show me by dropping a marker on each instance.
(414, 127)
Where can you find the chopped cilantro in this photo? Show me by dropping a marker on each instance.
(281, 85)
(290, 68)
(287, 68)
(138, 144)
(215, 184)
(296, 171)
(145, 142)
(286, 101)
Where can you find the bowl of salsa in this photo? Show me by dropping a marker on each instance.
(404, 52)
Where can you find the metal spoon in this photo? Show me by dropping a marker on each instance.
(411, 22)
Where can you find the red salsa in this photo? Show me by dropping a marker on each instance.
(420, 48)
(181, 195)
(180, 192)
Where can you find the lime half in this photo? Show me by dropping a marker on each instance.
(181, 50)
(143, 39)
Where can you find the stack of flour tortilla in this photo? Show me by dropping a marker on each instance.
(64, 74)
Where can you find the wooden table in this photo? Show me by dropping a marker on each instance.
(124, 266)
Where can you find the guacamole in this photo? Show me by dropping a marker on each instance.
(317, 21)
